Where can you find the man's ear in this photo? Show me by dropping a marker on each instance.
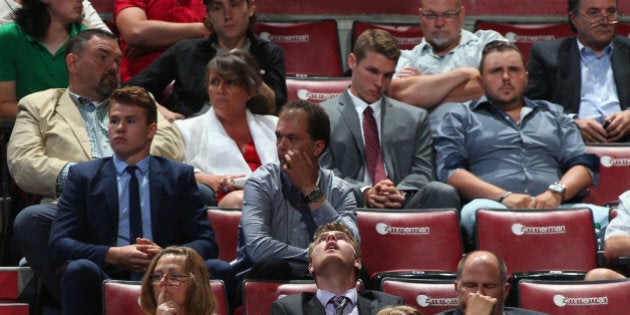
(71, 62)
(352, 61)
(310, 268)
(319, 147)
(507, 291)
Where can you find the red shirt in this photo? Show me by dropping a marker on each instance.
(184, 11)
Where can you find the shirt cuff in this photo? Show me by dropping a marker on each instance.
(62, 179)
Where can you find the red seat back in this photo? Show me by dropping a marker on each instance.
(14, 309)
(123, 297)
(524, 35)
(430, 297)
(614, 171)
(623, 29)
(224, 222)
(576, 297)
(315, 90)
(311, 48)
(399, 240)
(539, 240)
(407, 35)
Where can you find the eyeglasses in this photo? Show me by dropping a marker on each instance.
(611, 14)
(170, 279)
(449, 16)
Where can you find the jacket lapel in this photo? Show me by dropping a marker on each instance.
(387, 133)
(619, 63)
(351, 119)
(155, 189)
(69, 111)
(110, 182)
(571, 74)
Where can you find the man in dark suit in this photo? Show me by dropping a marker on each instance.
(482, 280)
(334, 262)
(588, 74)
(390, 163)
(116, 213)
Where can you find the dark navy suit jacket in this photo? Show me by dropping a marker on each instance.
(86, 224)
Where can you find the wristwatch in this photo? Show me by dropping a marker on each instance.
(558, 188)
(314, 195)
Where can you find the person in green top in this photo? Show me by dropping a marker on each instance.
(32, 56)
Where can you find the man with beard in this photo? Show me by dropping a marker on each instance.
(57, 128)
(588, 74)
(507, 151)
(443, 67)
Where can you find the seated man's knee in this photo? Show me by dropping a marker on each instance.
(82, 270)
(232, 200)
(602, 274)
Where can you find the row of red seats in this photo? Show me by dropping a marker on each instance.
(430, 297)
(312, 48)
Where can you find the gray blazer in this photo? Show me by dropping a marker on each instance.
(406, 144)
(368, 303)
(555, 75)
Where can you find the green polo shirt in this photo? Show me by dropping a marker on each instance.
(26, 61)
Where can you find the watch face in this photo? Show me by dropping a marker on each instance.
(314, 195)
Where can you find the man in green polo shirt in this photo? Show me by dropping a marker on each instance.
(32, 56)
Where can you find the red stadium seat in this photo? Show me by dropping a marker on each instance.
(224, 223)
(614, 171)
(409, 240)
(524, 35)
(14, 309)
(315, 90)
(539, 240)
(552, 244)
(407, 35)
(123, 297)
(623, 29)
(430, 297)
(311, 48)
(576, 297)
(12, 281)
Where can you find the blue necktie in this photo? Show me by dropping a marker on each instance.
(135, 212)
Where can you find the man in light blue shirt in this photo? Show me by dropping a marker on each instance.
(588, 74)
(443, 67)
(285, 202)
(507, 151)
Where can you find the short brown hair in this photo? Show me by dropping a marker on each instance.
(378, 41)
(136, 96)
(200, 299)
(399, 310)
(498, 46)
(336, 227)
(318, 122)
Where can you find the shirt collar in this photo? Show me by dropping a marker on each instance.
(360, 105)
(465, 38)
(143, 165)
(485, 102)
(586, 52)
(325, 296)
(81, 101)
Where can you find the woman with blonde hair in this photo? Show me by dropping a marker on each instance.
(177, 282)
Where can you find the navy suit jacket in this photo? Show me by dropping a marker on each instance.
(406, 144)
(86, 224)
(555, 75)
(368, 303)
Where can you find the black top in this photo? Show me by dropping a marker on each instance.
(185, 62)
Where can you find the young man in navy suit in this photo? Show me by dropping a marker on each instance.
(116, 213)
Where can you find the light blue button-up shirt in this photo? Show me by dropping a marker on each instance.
(598, 93)
(123, 177)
